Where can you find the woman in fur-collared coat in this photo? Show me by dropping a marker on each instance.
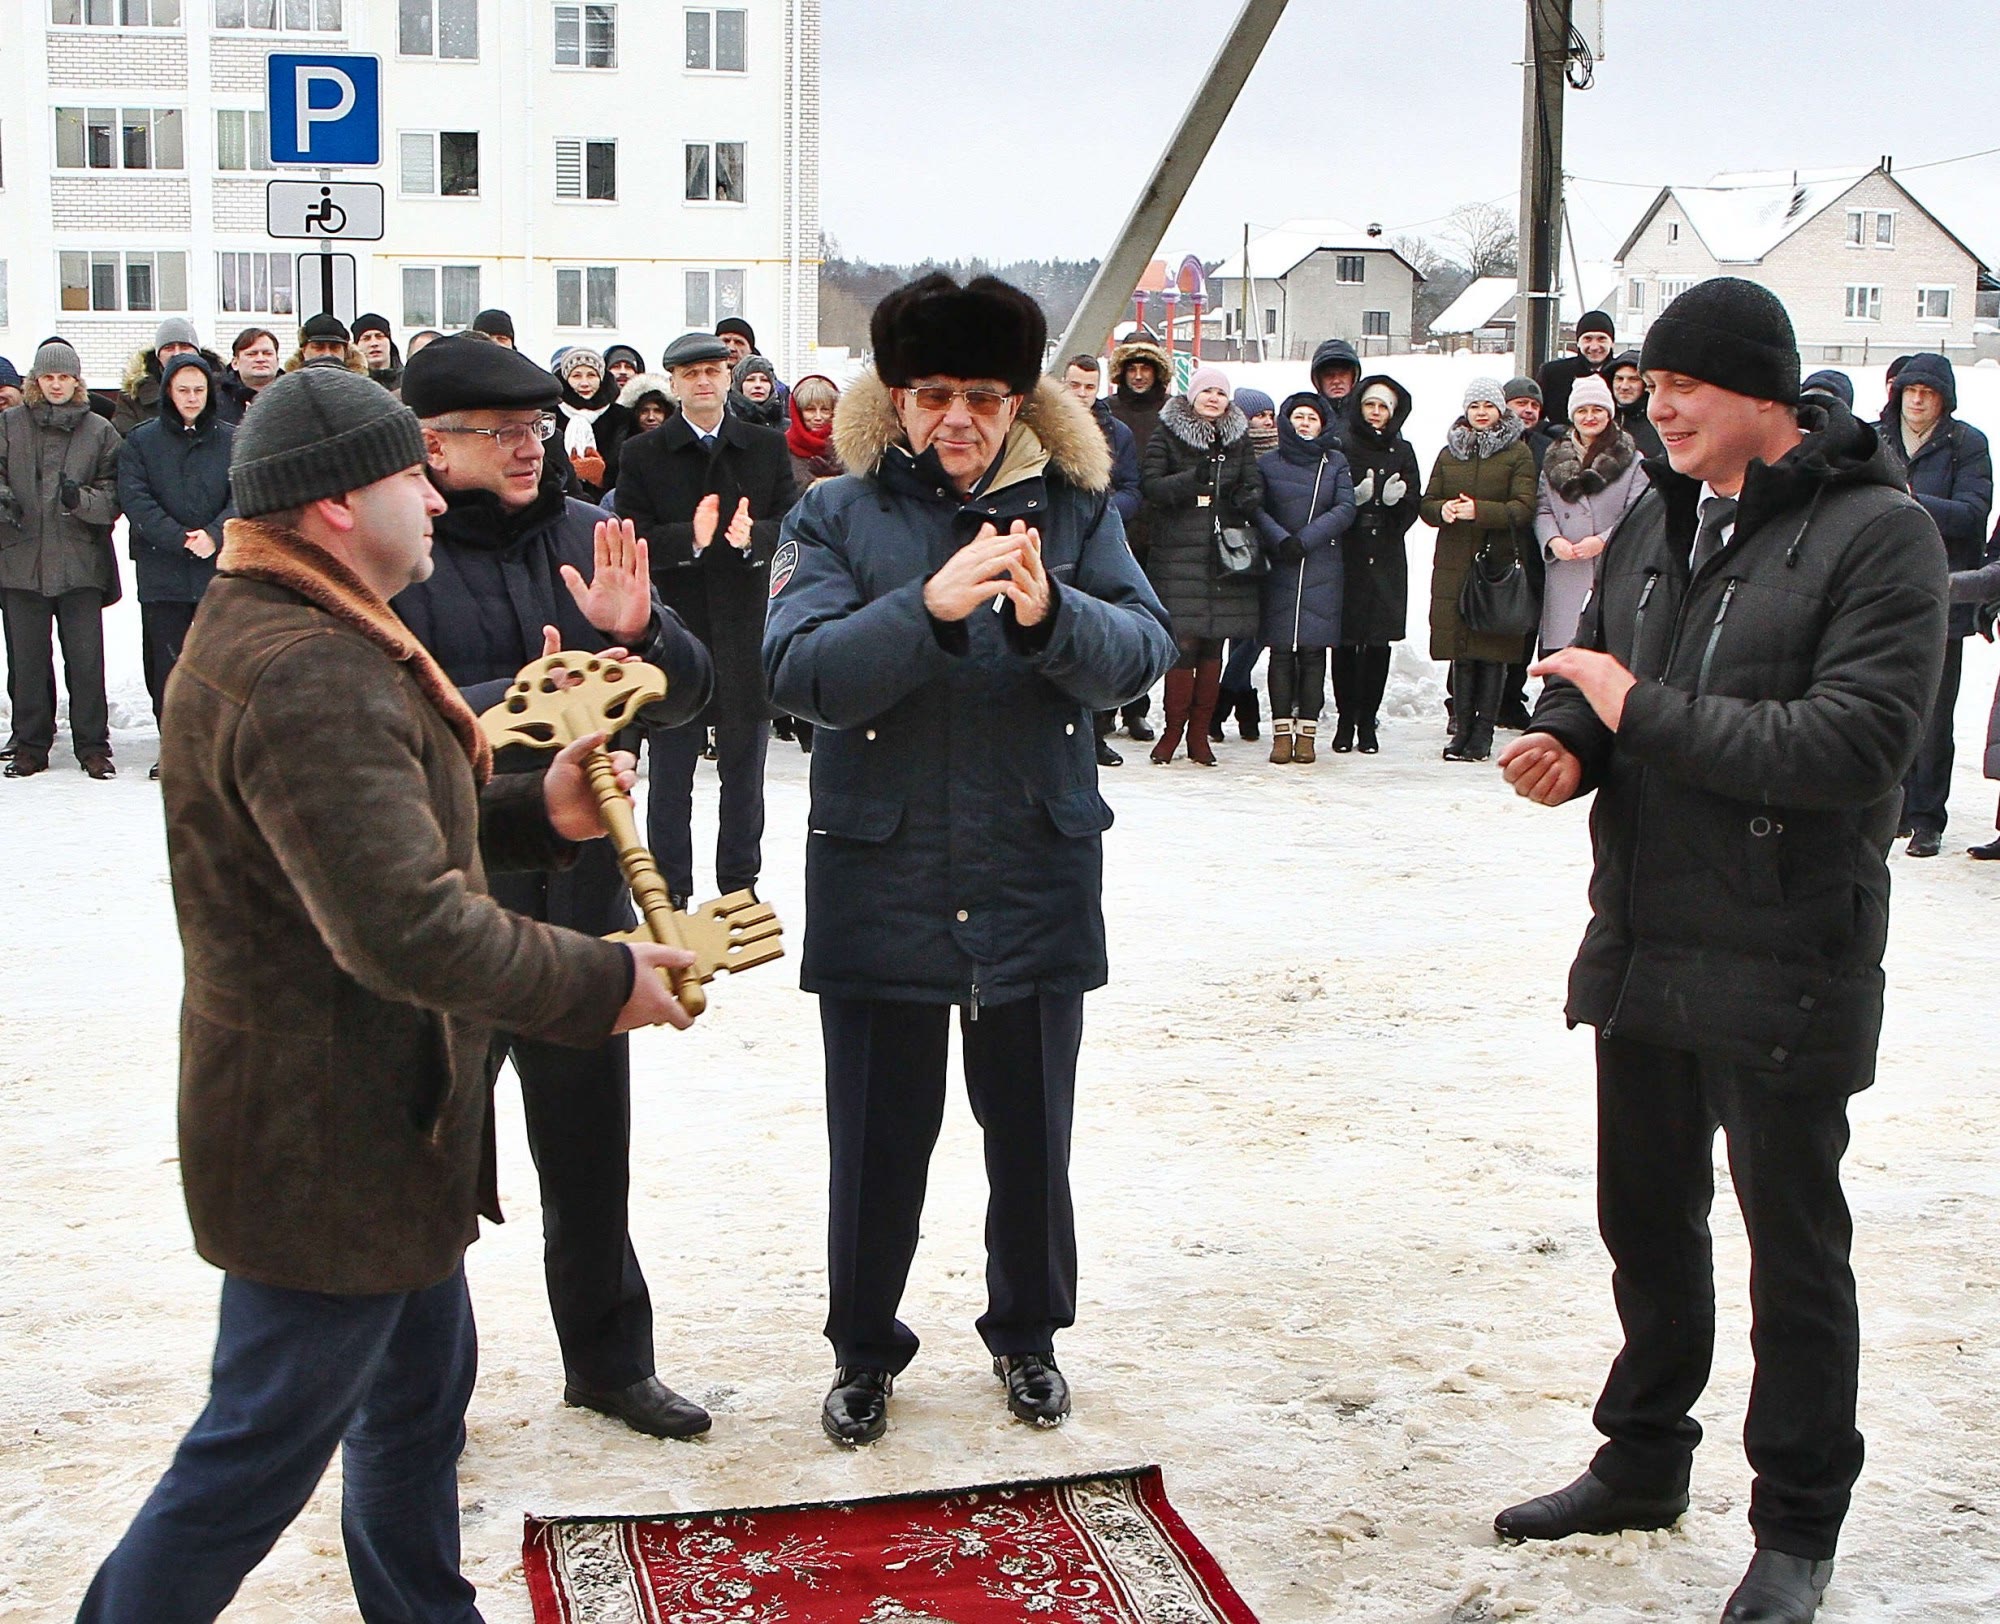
(1590, 481)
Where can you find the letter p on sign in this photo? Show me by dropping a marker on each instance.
(325, 109)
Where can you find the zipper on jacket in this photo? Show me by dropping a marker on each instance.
(1299, 606)
(1639, 616)
(974, 1007)
(1715, 636)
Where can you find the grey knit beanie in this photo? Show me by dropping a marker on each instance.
(56, 357)
(175, 330)
(317, 432)
(1487, 389)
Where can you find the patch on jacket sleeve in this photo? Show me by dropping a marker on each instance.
(783, 563)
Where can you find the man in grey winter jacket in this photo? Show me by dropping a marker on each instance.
(1746, 690)
(58, 502)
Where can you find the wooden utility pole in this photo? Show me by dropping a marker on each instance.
(1537, 310)
(1126, 260)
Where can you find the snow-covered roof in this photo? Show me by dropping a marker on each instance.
(1485, 300)
(1489, 301)
(1275, 252)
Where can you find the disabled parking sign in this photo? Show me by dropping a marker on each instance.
(325, 110)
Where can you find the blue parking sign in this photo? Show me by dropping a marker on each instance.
(325, 110)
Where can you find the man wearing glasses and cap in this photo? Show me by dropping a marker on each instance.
(521, 571)
(955, 614)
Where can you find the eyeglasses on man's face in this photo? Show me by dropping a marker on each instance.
(937, 397)
(512, 437)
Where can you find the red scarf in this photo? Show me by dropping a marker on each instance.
(807, 445)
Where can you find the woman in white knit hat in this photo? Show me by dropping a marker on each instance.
(1590, 479)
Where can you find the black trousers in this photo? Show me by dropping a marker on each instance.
(1298, 683)
(739, 836)
(1657, 1113)
(1929, 783)
(13, 702)
(163, 628)
(297, 1375)
(885, 1089)
(578, 1106)
(78, 617)
(1360, 678)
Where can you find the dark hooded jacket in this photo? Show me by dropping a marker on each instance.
(1140, 414)
(1308, 507)
(1125, 495)
(1375, 606)
(1745, 806)
(173, 477)
(1333, 353)
(955, 852)
(139, 393)
(1195, 476)
(1951, 473)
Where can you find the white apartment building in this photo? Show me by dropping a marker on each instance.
(602, 169)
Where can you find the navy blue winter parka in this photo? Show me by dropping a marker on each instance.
(1951, 473)
(1308, 498)
(955, 852)
(173, 477)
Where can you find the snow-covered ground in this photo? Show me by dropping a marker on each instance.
(1334, 1177)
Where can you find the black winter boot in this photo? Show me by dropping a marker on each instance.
(1248, 715)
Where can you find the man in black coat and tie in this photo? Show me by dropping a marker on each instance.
(520, 571)
(707, 491)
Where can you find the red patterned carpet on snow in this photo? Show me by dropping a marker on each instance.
(1089, 1550)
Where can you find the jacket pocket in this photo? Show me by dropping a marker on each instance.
(866, 818)
(1079, 813)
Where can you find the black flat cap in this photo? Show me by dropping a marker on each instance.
(325, 329)
(470, 375)
(690, 348)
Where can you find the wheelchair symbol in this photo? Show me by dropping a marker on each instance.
(326, 217)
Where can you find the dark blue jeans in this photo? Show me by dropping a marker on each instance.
(296, 1375)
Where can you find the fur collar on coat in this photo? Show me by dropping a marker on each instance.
(865, 427)
(1572, 479)
(1178, 418)
(281, 557)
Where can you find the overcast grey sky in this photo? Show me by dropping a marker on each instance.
(1024, 128)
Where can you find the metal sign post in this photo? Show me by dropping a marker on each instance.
(326, 286)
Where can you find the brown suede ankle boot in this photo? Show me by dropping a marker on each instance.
(1281, 741)
(1302, 742)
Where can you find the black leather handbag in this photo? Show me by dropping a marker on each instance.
(1237, 552)
(1499, 599)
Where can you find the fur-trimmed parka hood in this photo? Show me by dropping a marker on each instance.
(355, 360)
(1179, 418)
(1142, 349)
(144, 367)
(865, 427)
(641, 384)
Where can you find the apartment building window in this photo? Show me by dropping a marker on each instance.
(716, 172)
(115, 13)
(587, 36)
(1871, 226)
(445, 29)
(440, 163)
(110, 138)
(1863, 302)
(587, 170)
(1374, 324)
(1350, 268)
(242, 139)
(1933, 304)
(444, 296)
(108, 280)
(711, 295)
(587, 296)
(279, 16)
(718, 41)
(255, 284)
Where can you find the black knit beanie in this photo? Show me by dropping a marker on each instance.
(317, 432)
(1731, 333)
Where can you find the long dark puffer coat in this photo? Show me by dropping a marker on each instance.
(1196, 475)
(1497, 471)
(1375, 603)
(1746, 803)
(173, 477)
(1308, 499)
(955, 853)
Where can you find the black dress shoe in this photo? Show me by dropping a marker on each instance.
(648, 1406)
(1036, 1391)
(153, 772)
(856, 1410)
(1587, 1506)
(1343, 737)
(1779, 1589)
(26, 764)
(1365, 740)
(1140, 730)
(1988, 853)
(1924, 843)
(1106, 756)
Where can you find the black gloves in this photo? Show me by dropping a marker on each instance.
(1291, 549)
(69, 492)
(10, 508)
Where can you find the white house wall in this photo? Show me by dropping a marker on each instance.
(515, 231)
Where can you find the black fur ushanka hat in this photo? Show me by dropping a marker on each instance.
(932, 327)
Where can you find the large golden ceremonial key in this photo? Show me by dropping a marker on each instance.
(565, 697)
